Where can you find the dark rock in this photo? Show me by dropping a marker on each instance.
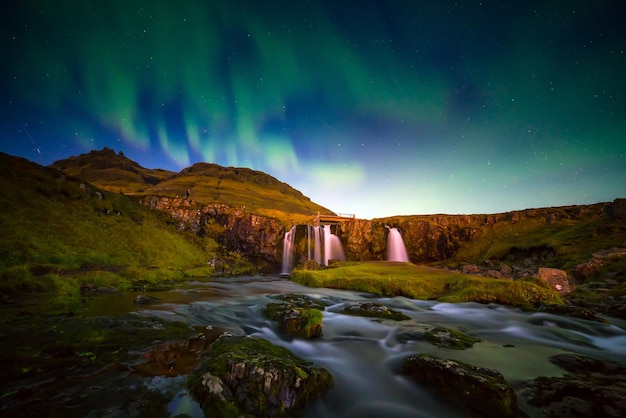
(573, 311)
(480, 389)
(617, 310)
(145, 300)
(245, 375)
(617, 209)
(375, 310)
(301, 301)
(592, 388)
(177, 357)
(441, 337)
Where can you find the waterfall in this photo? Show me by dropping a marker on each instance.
(332, 246)
(288, 251)
(396, 251)
(315, 244)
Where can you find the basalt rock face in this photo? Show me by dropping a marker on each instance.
(432, 238)
(427, 238)
(257, 238)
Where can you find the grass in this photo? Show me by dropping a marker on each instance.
(569, 239)
(60, 234)
(427, 283)
(209, 183)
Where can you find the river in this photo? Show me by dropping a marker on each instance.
(365, 355)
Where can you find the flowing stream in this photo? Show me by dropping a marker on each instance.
(365, 355)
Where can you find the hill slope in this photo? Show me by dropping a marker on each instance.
(209, 183)
(60, 233)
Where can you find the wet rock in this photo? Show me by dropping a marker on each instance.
(245, 375)
(555, 278)
(480, 389)
(573, 311)
(177, 357)
(297, 315)
(145, 300)
(617, 309)
(591, 388)
(441, 337)
(301, 301)
(375, 310)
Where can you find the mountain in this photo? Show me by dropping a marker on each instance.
(208, 183)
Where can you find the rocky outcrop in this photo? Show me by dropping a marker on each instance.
(246, 375)
(257, 238)
(428, 238)
(480, 389)
(591, 388)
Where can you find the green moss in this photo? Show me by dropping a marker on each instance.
(419, 282)
(237, 361)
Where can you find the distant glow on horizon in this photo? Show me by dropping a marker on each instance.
(406, 108)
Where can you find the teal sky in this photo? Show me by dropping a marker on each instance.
(376, 108)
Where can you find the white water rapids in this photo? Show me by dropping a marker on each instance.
(365, 356)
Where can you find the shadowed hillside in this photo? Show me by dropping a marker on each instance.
(208, 183)
(61, 233)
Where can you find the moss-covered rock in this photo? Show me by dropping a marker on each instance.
(297, 315)
(480, 389)
(442, 337)
(375, 310)
(251, 376)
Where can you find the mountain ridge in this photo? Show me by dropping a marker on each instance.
(208, 183)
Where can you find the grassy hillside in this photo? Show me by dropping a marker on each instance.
(570, 239)
(60, 233)
(209, 183)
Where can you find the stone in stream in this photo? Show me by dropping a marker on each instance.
(247, 375)
(590, 388)
(297, 315)
(483, 390)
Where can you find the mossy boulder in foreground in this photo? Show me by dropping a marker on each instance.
(480, 389)
(246, 375)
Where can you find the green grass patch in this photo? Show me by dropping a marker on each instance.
(427, 283)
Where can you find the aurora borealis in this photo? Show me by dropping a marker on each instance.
(376, 108)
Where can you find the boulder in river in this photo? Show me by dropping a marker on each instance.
(590, 388)
(247, 375)
(297, 315)
(483, 390)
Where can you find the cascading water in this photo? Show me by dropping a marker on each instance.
(332, 246)
(290, 237)
(396, 251)
(365, 355)
(315, 244)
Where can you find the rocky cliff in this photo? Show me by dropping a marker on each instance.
(257, 238)
(537, 237)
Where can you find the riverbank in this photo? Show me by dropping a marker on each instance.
(391, 279)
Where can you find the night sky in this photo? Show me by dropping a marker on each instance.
(374, 108)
